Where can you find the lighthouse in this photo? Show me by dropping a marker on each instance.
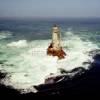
(55, 48)
(56, 38)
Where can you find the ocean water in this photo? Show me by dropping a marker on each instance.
(24, 43)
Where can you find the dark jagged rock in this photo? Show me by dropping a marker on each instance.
(97, 57)
(79, 70)
(94, 52)
(2, 75)
(63, 71)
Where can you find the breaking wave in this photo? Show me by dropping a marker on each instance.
(18, 44)
(31, 66)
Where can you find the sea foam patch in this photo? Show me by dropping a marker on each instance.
(5, 34)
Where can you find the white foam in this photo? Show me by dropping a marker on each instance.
(18, 44)
(32, 67)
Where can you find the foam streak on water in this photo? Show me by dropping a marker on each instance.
(5, 34)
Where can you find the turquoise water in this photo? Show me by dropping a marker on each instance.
(23, 45)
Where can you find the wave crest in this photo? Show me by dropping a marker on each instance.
(18, 44)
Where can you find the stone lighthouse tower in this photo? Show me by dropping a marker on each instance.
(56, 38)
(55, 48)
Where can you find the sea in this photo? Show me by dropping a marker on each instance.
(26, 65)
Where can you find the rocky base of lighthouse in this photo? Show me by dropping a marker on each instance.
(53, 52)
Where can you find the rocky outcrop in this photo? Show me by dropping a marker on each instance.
(56, 52)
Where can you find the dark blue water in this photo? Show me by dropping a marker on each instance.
(39, 29)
